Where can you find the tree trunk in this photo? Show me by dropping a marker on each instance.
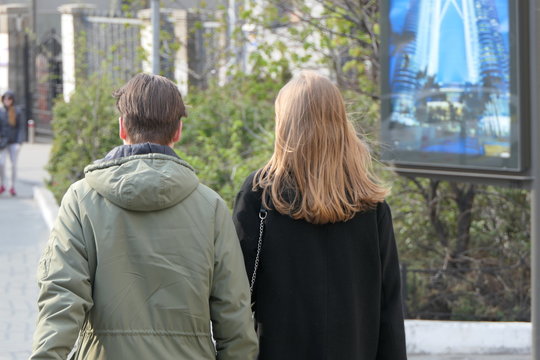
(464, 198)
(433, 206)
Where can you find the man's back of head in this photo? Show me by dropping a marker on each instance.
(151, 109)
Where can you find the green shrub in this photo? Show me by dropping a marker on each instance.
(229, 131)
(85, 129)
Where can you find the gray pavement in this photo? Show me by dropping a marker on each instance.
(23, 233)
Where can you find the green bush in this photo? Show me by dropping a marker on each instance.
(85, 129)
(229, 131)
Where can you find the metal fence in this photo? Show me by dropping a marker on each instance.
(112, 45)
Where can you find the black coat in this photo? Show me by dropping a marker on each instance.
(323, 291)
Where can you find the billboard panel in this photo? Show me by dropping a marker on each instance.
(450, 84)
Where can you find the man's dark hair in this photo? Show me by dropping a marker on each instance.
(151, 106)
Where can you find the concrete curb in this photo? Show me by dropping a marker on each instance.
(47, 204)
(468, 337)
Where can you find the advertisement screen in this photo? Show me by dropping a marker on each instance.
(450, 83)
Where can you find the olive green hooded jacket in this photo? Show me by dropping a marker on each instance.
(143, 262)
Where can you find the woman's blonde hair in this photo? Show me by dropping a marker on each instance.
(320, 170)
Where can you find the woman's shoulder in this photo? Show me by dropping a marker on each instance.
(247, 191)
(247, 198)
(383, 210)
(247, 186)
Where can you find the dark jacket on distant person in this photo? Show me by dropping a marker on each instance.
(327, 291)
(17, 133)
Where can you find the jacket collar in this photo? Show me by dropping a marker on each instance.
(138, 149)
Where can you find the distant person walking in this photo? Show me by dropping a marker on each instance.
(328, 280)
(12, 130)
(143, 261)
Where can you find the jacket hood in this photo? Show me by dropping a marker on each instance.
(144, 182)
(10, 94)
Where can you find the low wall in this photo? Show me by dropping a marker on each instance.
(468, 337)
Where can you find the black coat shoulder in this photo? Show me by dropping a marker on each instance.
(384, 214)
(247, 201)
(246, 205)
(247, 185)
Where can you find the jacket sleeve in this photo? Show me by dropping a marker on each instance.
(3, 121)
(21, 127)
(230, 309)
(65, 291)
(391, 332)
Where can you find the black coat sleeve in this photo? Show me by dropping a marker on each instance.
(21, 128)
(3, 122)
(246, 220)
(391, 333)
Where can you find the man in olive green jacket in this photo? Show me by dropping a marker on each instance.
(143, 261)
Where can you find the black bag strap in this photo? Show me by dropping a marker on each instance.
(262, 216)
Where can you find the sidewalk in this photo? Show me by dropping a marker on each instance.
(23, 235)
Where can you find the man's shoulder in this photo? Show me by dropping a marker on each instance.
(208, 195)
(78, 190)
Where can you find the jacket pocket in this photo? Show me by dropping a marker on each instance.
(44, 263)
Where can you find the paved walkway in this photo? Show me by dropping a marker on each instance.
(22, 236)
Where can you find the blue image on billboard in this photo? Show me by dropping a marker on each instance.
(449, 79)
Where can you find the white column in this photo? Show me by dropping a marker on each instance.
(156, 43)
(13, 22)
(146, 39)
(71, 14)
(179, 18)
(4, 62)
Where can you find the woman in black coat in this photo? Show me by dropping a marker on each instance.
(328, 281)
